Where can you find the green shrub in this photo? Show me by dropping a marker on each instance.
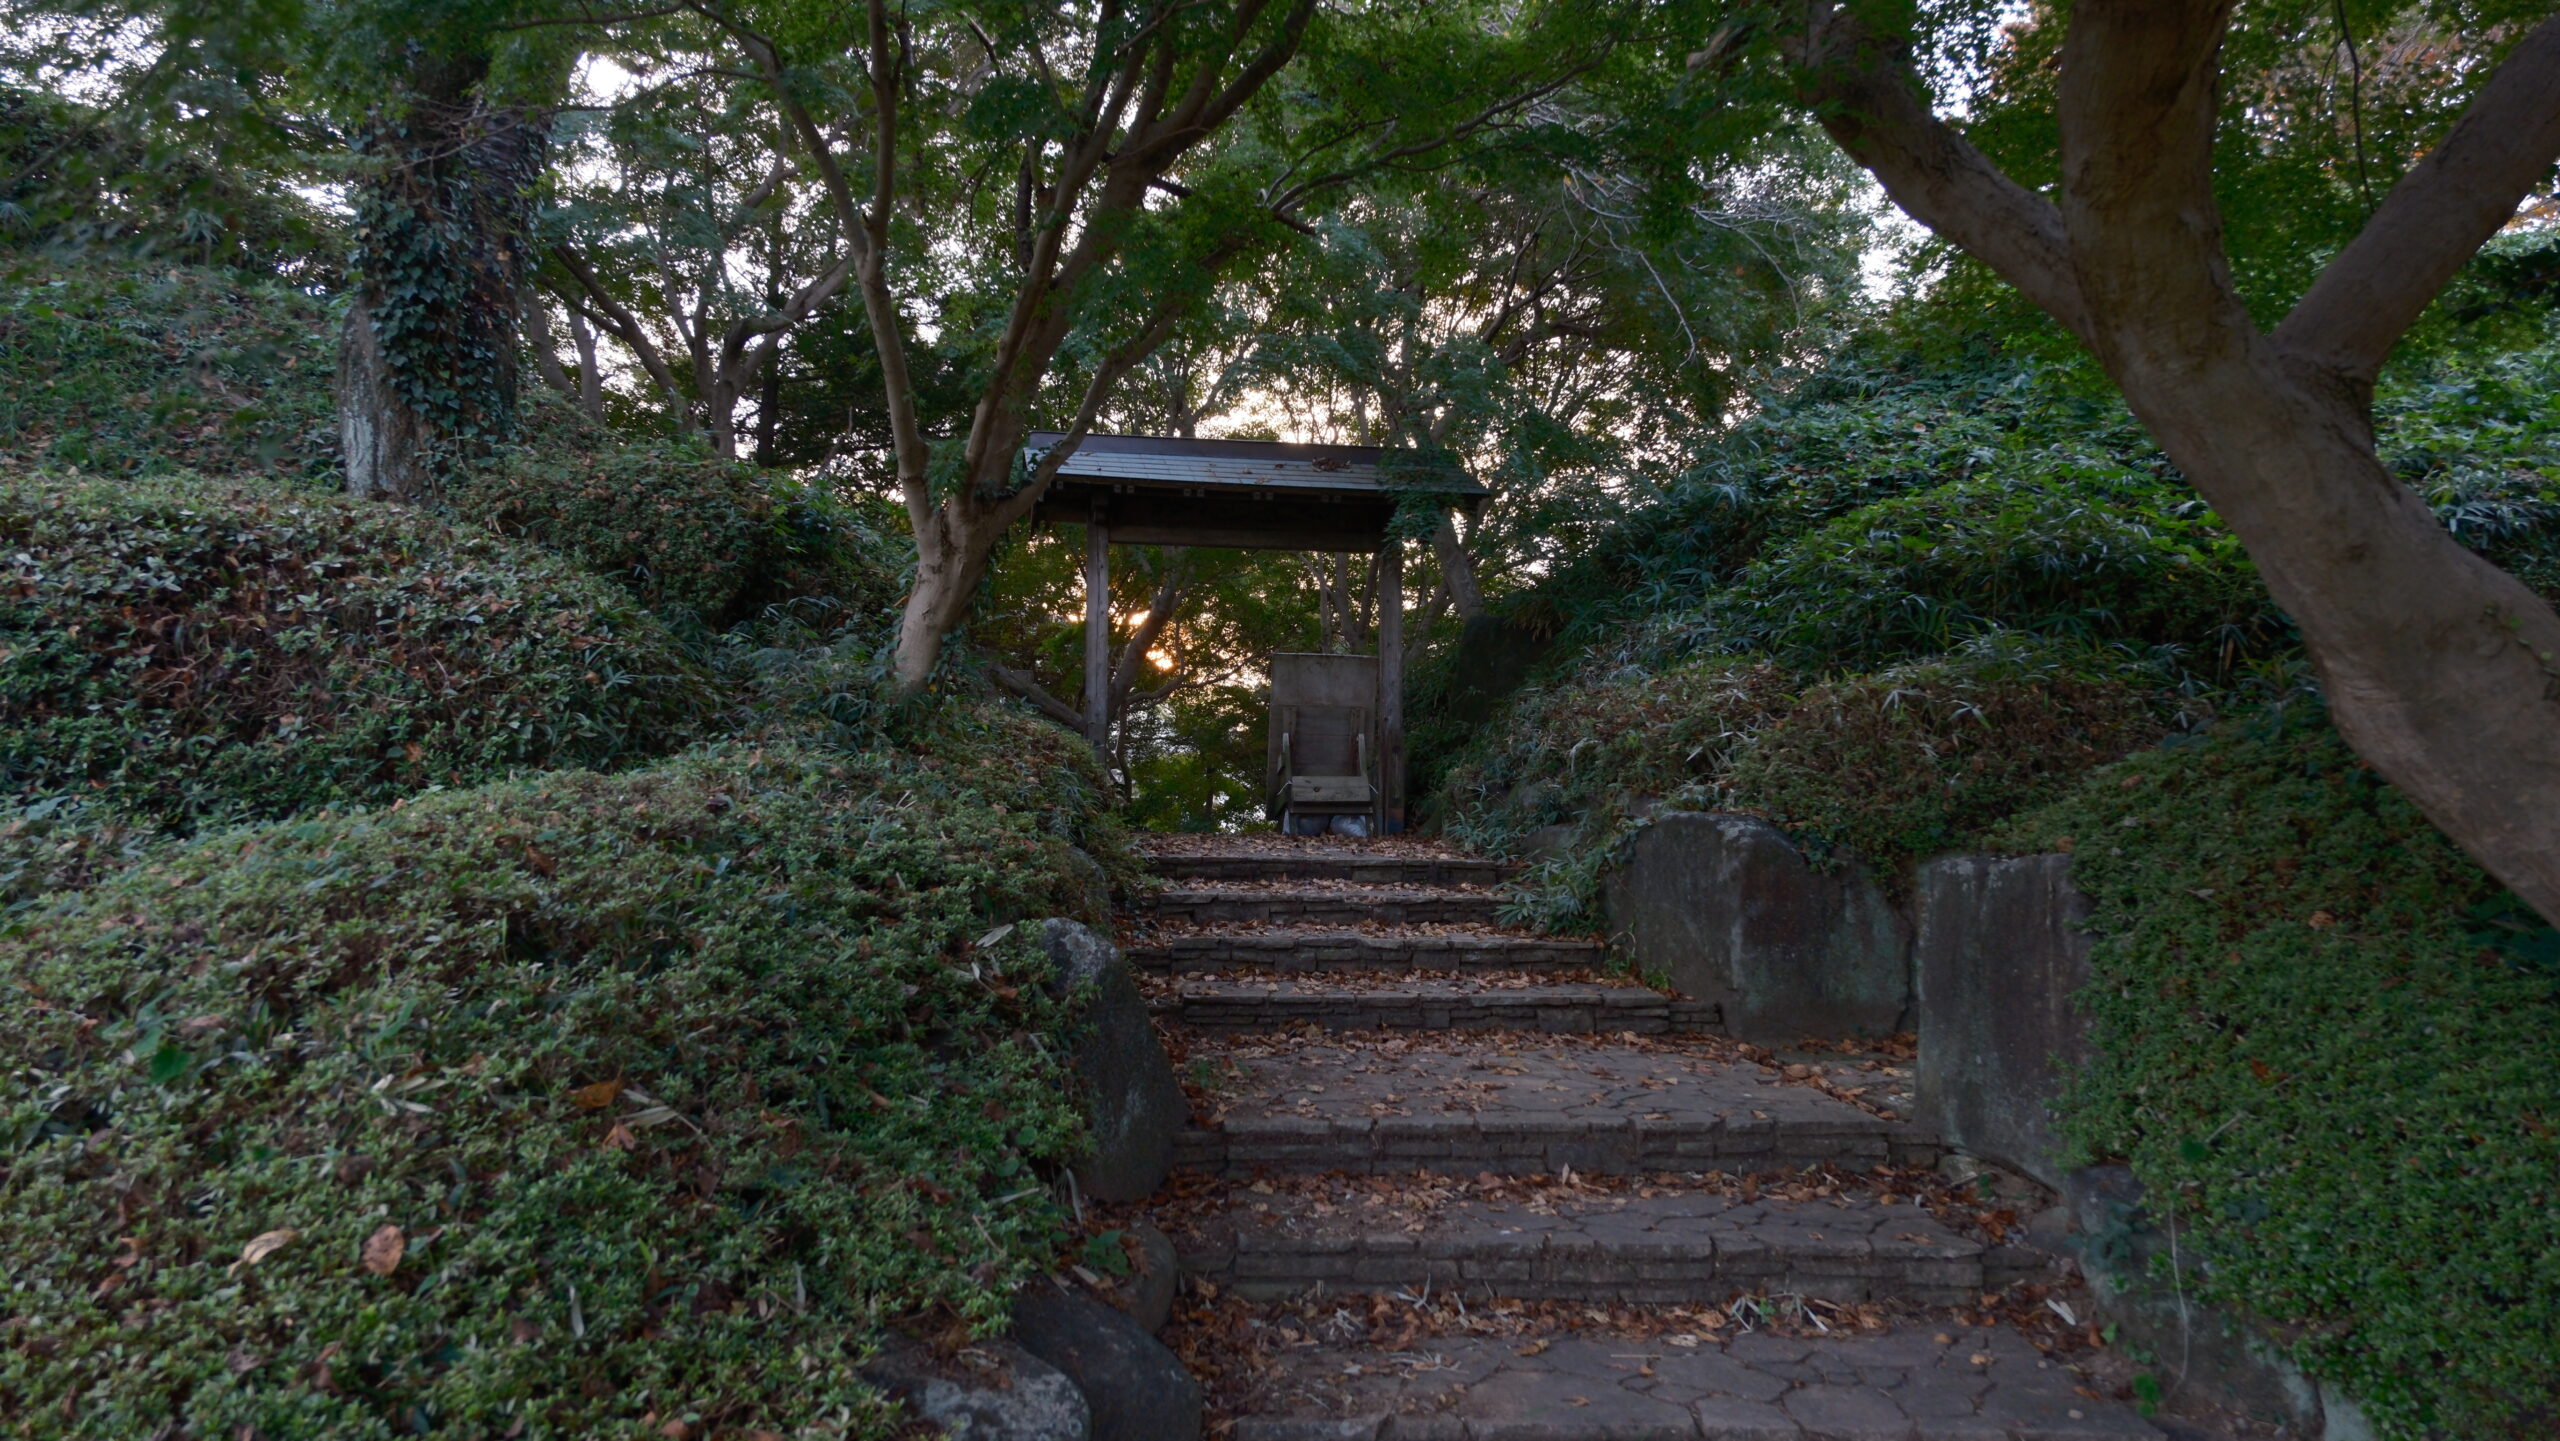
(2090, 553)
(192, 652)
(1917, 759)
(1592, 742)
(133, 368)
(2330, 1070)
(677, 1085)
(2479, 437)
(1891, 766)
(681, 527)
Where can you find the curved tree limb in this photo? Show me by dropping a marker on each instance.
(2437, 217)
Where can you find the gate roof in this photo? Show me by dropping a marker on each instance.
(1253, 494)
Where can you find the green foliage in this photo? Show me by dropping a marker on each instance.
(2087, 552)
(1893, 766)
(680, 526)
(2477, 434)
(678, 1084)
(192, 653)
(1916, 759)
(140, 369)
(77, 181)
(2331, 1078)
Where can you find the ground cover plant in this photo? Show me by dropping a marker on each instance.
(682, 528)
(2322, 1041)
(124, 366)
(194, 651)
(563, 1106)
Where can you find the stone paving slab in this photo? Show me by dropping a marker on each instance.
(1419, 1004)
(1460, 1105)
(1321, 949)
(1334, 906)
(1959, 1384)
(1647, 1246)
(1333, 865)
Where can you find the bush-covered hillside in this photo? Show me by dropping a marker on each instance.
(195, 651)
(588, 1031)
(1952, 585)
(2323, 1041)
(122, 367)
(563, 1106)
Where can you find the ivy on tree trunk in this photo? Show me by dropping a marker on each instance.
(428, 359)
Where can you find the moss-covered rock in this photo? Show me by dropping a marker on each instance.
(194, 652)
(566, 1106)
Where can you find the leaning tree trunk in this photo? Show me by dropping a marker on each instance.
(428, 359)
(2440, 670)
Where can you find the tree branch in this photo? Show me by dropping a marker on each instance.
(2437, 217)
(1160, 609)
(1022, 684)
(1871, 103)
(613, 315)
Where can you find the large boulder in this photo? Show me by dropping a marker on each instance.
(1137, 1390)
(1729, 910)
(994, 1391)
(1133, 1101)
(1998, 956)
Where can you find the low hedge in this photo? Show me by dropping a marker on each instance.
(567, 1106)
(2324, 1046)
(195, 652)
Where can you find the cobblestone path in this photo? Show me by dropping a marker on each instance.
(1597, 1223)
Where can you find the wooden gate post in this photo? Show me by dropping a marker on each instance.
(1097, 632)
(1391, 686)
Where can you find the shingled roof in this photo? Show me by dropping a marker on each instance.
(1253, 494)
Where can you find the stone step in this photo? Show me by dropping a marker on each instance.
(1337, 905)
(1654, 1244)
(1361, 1002)
(1955, 1383)
(1314, 948)
(1321, 863)
(1516, 1105)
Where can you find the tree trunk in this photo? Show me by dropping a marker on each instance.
(386, 448)
(1457, 567)
(428, 359)
(590, 374)
(2437, 666)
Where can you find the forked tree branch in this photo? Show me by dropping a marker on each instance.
(2449, 204)
(1866, 97)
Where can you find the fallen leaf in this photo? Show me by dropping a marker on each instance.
(263, 1245)
(383, 1250)
(1534, 1347)
(597, 1096)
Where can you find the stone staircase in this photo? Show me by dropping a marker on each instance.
(1401, 1098)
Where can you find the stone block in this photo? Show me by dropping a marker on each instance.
(1134, 1388)
(1020, 1398)
(1133, 1102)
(1733, 914)
(1998, 956)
